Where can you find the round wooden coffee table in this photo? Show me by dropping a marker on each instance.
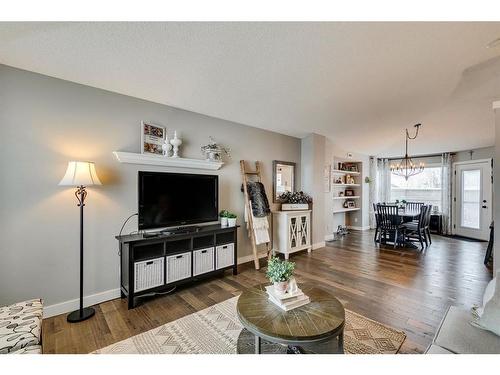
(317, 327)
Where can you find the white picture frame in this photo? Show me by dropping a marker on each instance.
(152, 138)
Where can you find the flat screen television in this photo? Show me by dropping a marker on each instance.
(176, 199)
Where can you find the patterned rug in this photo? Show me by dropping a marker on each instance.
(215, 330)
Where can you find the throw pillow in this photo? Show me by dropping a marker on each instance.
(489, 318)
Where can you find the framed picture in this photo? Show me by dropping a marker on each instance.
(351, 167)
(351, 204)
(152, 138)
(349, 193)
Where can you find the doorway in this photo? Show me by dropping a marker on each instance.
(473, 199)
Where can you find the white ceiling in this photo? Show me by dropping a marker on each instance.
(360, 84)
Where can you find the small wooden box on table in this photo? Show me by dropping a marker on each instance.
(157, 264)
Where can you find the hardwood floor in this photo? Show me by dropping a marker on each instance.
(403, 288)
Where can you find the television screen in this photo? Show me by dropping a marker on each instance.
(173, 199)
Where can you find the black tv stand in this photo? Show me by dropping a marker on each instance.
(181, 230)
(155, 264)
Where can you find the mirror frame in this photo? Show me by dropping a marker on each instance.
(275, 176)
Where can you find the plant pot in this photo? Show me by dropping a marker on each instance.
(231, 222)
(223, 221)
(281, 287)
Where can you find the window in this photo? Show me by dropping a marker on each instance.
(424, 187)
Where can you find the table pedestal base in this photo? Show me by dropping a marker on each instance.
(248, 343)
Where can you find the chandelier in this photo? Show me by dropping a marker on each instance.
(406, 167)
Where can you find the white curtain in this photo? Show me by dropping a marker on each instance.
(372, 190)
(446, 181)
(383, 181)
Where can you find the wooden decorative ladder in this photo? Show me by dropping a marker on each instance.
(252, 175)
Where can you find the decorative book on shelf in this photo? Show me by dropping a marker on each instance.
(287, 301)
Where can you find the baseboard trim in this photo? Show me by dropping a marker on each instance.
(318, 245)
(329, 237)
(367, 227)
(74, 304)
(94, 299)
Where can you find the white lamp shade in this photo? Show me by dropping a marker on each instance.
(80, 173)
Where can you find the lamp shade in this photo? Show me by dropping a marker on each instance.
(80, 173)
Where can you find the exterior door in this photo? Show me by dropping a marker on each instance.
(473, 199)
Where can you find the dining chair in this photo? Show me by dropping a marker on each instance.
(428, 223)
(413, 206)
(377, 221)
(416, 230)
(390, 222)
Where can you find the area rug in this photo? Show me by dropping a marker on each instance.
(215, 330)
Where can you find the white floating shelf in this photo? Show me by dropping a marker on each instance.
(345, 210)
(346, 185)
(147, 159)
(353, 197)
(338, 171)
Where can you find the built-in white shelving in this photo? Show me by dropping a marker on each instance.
(338, 171)
(149, 159)
(346, 185)
(345, 210)
(341, 175)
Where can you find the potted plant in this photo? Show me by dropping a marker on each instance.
(223, 217)
(279, 273)
(214, 151)
(231, 219)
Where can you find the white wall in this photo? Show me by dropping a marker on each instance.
(312, 162)
(44, 123)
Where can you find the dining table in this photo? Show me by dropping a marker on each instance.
(407, 216)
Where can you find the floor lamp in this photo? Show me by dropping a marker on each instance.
(80, 174)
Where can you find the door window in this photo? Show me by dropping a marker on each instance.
(471, 199)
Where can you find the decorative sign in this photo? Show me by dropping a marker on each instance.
(152, 138)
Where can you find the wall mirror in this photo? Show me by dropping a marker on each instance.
(283, 178)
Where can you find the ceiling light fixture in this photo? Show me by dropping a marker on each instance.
(406, 167)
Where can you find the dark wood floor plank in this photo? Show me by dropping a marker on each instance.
(406, 289)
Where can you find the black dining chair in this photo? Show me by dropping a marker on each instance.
(377, 221)
(413, 206)
(427, 224)
(416, 230)
(390, 222)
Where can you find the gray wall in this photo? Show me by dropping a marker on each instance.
(313, 156)
(46, 122)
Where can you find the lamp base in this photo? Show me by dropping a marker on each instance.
(81, 315)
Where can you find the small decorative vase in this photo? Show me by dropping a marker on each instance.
(281, 287)
(231, 222)
(176, 142)
(166, 147)
(223, 221)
